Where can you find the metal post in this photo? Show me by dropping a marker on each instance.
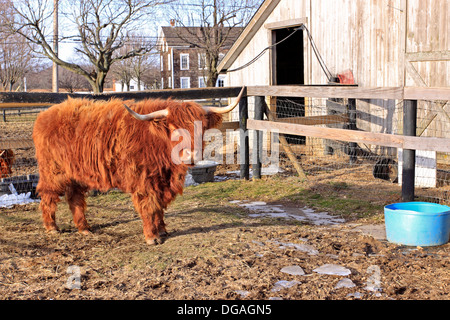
(258, 142)
(352, 126)
(244, 144)
(409, 156)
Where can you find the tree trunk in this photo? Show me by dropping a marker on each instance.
(99, 83)
(212, 71)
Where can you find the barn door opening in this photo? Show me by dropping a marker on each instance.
(289, 69)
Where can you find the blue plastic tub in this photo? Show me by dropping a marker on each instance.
(417, 223)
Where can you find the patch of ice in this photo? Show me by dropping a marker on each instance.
(242, 293)
(305, 214)
(321, 218)
(284, 284)
(300, 247)
(333, 269)
(345, 283)
(8, 200)
(356, 295)
(189, 181)
(293, 270)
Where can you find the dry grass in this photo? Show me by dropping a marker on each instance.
(214, 248)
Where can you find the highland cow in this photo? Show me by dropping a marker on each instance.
(86, 145)
(6, 161)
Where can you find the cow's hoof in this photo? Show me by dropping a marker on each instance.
(154, 242)
(54, 230)
(85, 232)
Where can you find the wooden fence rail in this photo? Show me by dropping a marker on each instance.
(382, 139)
(409, 95)
(409, 142)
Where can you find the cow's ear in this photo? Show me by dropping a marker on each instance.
(214, 120)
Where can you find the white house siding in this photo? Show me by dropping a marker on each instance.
(374, 39)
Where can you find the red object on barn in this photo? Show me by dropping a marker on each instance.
(346, 77)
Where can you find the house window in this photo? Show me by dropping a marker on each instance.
(202, 61)
(201, 82)
(184, 61)
(162, 63)
(185, 82)
(170, 82)
(162, 83)
(169, 63)
(220, 81)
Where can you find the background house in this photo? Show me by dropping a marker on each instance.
(183, 64)
(118, 86)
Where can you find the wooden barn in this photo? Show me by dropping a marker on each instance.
(369, 43)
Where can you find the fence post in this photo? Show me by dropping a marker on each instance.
(352, 126)
(244, 144)
(258, 142)
(409, 156)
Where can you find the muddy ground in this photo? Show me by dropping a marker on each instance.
(216, 251)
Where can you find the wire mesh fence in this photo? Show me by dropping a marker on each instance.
(313, 156)
(19, 171)
(316, 156)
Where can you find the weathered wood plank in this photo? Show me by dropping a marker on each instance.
(13, 105)
(16, 144)
(286, 23)
(427, 93)
(383, 139)
(327, 92)
(428, 56)
(390, 93)
(232, 125)
(316, 120)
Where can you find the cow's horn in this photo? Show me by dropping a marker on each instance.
(146, 117)
(228, 108)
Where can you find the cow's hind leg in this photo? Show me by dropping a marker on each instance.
(149, 210)
(75, 195)
(48, 208)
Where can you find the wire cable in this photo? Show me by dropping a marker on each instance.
(262, 52)
(324, 67)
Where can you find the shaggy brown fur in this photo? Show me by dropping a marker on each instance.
(83, 145)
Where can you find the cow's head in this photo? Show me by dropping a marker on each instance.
(187, 122)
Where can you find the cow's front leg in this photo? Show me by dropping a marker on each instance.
(160, 224)
(149, 210)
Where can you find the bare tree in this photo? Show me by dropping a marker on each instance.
(143, 64)
(135, 67)
(103, 27)
(152, 75)
(15, 61)
(217, 21)
(71, 81)
(16, 57)
(122, 70)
